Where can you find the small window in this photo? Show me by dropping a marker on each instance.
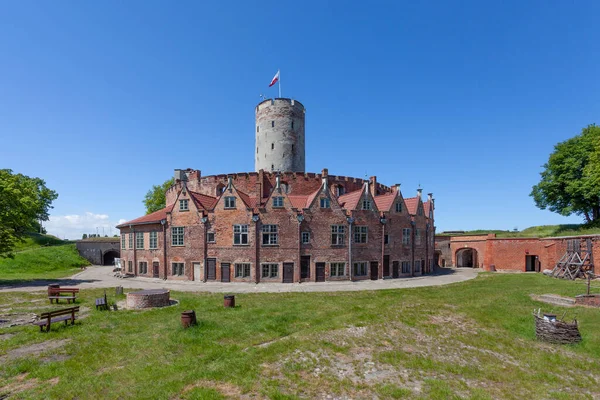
(339, 189)
(360, 234)
(337, 269)
(270, 270)
(229, 202)
(257, 150)
(270, 237)
(272, 167)
(292, 124)
(130, 266)
(139, 240)
(324, 202)
(417, 236)
(178, 269)
(305, 237)
(210, 237)
(292, 148)
(143, 268)
(257, 128)
(406, 236)
(420, 211)
(386, 239)
(183, 205)
(272, 146)
(360, 268)
(398, 206)
(337, 235)
(242, 270)
(272, 124)
(278, 201)
(131, 240)
(123, 241)
(177, 236)
(366, 205)
(240, 234)
(153, 240)
(405, 267)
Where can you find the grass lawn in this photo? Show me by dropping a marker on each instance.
(49, 262)
(468, 340)
(540, 231)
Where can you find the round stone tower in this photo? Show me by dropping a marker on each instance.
(280, 136)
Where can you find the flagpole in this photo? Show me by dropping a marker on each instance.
(279, 83)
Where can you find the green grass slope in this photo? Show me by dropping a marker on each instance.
(49, 262)
(35, 240)
(539, 231)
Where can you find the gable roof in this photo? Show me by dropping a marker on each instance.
(250, 202)
(298, 200)
(206, 202)
(154, 217)
(350, 200)
(384, 202)
(412, 203)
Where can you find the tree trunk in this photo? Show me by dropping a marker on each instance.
(587, 217)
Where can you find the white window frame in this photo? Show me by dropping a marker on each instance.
(366, 205)
(177, 236)
(242, 270)
(417, 237)
(184, 205)
(229, 202)
(270, 235)
(305, 237)
(178, 268)
(361, 234)
(324, 202)
(338, 235)
(240, 232)
(153, 240)
(278, 201)
(139, 240)
(405, 267)
(405, 236)
(123, 242)
(398, 206)
(131, 240)
(271, 269)
(335, 268)
(208, 237)
(360, 268)
(143, 267)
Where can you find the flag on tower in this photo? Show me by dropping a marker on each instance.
(275, 79)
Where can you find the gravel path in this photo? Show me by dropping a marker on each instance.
(102, 277)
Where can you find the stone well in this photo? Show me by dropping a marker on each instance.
(148, 298)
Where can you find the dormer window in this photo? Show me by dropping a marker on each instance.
(324, 202)
(420, 211)
(272, 124)
(183, 205)
(278, 201)
(229, 202)
(366, 205)
(398, 207)
(339, 190)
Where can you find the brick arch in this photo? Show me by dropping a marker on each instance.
(466, 257)
(108, 256)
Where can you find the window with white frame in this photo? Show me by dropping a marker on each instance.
(178, 269)
(130, 266)
(229, 202)
(240, 234)
(270, 270)
(269, 235)
(398, 206)
(305, 237)
(131, 240)
(417, 265)
(183, 205)
(210, 237)
(177, 236)
(143, 268)
(337, 269)
(366, 204)
(278, 201)
(339, 190)
(360, 234)
(417, 236)
(242, 270)
(420, 210)
(153, 240)
(405, 267)
(139, 240)
(337, 234)
(324, 202)
(123, 242)
(360, 268)
(405, 235)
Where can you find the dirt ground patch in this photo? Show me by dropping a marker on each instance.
(226, 389)
(8, 320)
(35, 349)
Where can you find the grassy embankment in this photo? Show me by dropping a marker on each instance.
(469, 340)
(540, 231)
(41, 257)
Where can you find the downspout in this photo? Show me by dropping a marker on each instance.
(300, 218)
(427, 263)
(256, 220)
(205, 255)
(412, 248)
(350, 221)
(163, 222)
(382, 219)
(134, 250)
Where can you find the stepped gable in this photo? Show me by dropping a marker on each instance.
(154, 217)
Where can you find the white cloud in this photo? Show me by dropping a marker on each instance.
(74, 226)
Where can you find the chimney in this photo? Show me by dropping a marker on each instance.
(229, 183)
(180, 175)
(419, 192)
(278, 183)
(324, 176)
(430, 197)
(373, 181)
(396, 189)
(325, 172)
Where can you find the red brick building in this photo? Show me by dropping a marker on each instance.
(281, 227)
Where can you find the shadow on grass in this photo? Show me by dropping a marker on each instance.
(19, 283)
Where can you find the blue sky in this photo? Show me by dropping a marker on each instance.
(465, 98)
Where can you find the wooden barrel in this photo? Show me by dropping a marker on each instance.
(188, 318)
(229, 300)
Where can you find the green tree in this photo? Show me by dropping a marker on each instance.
(84, 236)
(155, 198)
(24, 202)
(570, 181)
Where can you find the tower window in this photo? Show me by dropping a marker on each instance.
(272, 124)
(257, 150)
(256, 128)
(292, 124)
(272, 167)
(292, 147)
(272, 146)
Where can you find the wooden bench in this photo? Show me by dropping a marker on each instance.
(66, 314)
(102, 303)
(56, 294)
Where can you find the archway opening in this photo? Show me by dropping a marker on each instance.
(466, 258)
(109, 257)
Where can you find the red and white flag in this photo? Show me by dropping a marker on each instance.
(275, 79)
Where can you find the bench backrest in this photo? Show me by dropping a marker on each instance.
(56, 313)
(64, 289)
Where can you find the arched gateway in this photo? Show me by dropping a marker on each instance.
(466, 258)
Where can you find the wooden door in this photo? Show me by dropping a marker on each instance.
(225, 267)
(155, 267)
(304, 267)
(320, 272)
(396, 269)
(374, 270)
(288, 272)
(386, 265)
(211, 269)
